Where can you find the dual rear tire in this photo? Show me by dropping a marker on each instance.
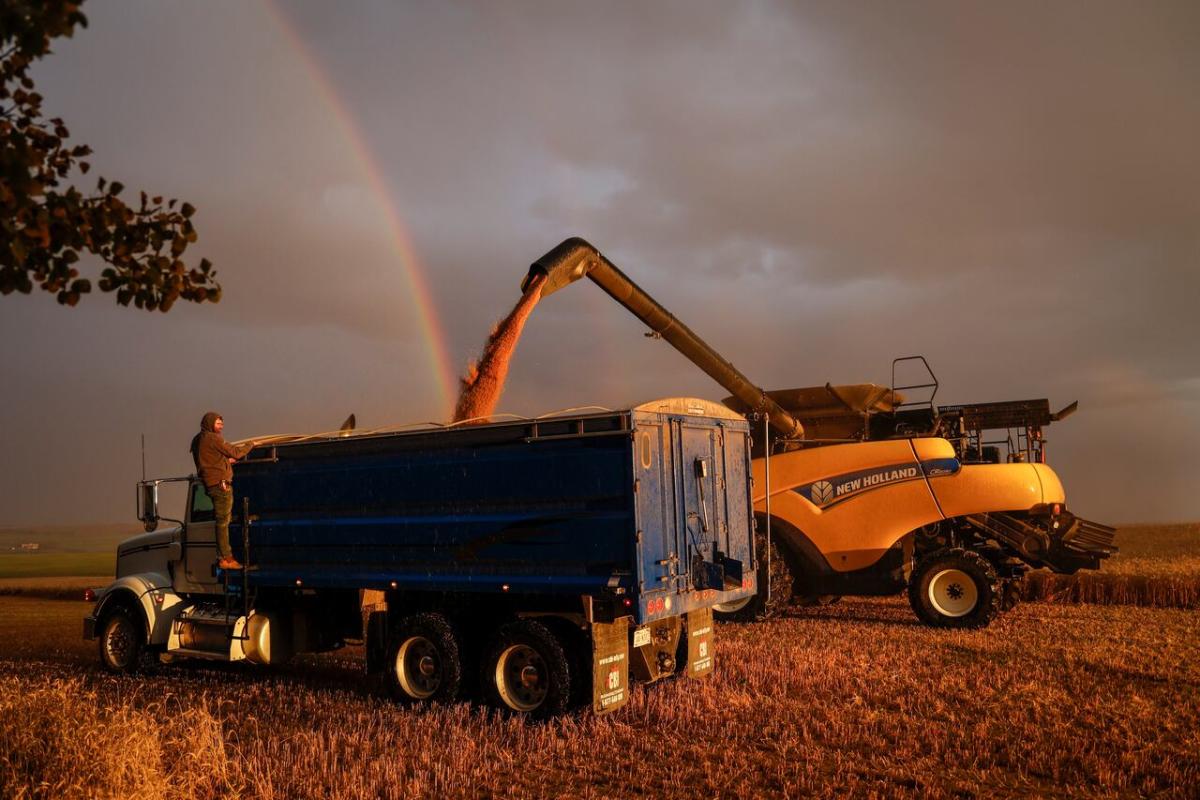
(525, 668)
(424, 660)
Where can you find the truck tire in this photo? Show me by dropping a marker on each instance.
(121, 640)
(757, 607)
(955, 588)
(526, 671)
(424, 662)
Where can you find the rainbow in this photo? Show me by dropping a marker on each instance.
(440, 362)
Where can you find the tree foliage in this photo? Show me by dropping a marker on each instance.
(47, 224)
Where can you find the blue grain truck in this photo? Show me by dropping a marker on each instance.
(536, 564)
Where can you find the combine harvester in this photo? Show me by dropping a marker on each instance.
(888, 494)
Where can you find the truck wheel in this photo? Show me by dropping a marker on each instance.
(955, 588)
(121, 641)
(526, 671)
(757, 607)
(423, 660)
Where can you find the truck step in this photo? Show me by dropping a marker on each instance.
(208, 654)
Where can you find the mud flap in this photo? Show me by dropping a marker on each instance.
(610, 665)
(701, 641)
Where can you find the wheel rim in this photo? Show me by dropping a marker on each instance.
(733, 606)
(418, 667)
(521, 678)
(953, 593)
(119, 642)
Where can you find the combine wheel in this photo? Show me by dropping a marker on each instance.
(751, 609)
(424, 664)
(526, 671)
(955, 588)
(121, 640)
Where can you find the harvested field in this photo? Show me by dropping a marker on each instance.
(854, 699)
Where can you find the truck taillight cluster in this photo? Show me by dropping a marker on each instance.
(658, 605)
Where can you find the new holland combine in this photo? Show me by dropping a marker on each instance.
(860, 491)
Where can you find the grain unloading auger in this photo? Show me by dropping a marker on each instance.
(891, 495)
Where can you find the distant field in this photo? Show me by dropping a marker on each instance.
(851, 700)
(1157, 550)
(36, 565)
(92, 538)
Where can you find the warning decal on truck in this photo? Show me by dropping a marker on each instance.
(700, 642)
(610, 665)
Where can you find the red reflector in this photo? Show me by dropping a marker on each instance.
(628, 602)
(89, 595)
(1057, 508)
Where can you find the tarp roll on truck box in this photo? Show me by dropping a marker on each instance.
(551, 559)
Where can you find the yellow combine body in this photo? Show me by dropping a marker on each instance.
(856, 528)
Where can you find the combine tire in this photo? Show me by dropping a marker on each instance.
(756, 608)
(526, 671)
(955, 588)
(121, 641)
(423, 661)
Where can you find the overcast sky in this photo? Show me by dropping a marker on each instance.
(1010, 189)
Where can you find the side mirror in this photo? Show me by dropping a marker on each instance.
(148, 504)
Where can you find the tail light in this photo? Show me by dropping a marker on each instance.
(89, 595)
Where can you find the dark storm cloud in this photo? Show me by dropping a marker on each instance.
(1011, 189)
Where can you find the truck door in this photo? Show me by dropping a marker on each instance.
(701, 496)
(737, 537)
(659, 561)
(199, 544)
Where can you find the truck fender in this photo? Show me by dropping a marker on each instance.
(149, 592)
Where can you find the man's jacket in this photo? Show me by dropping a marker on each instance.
(212, 453)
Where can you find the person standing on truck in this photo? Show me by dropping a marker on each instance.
(214, 458)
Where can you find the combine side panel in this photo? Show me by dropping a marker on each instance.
(852, 502)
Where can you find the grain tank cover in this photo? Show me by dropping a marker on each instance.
(692, 406)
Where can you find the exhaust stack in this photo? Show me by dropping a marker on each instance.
(574, 258)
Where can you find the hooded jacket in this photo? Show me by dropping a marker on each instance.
(211, 453)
